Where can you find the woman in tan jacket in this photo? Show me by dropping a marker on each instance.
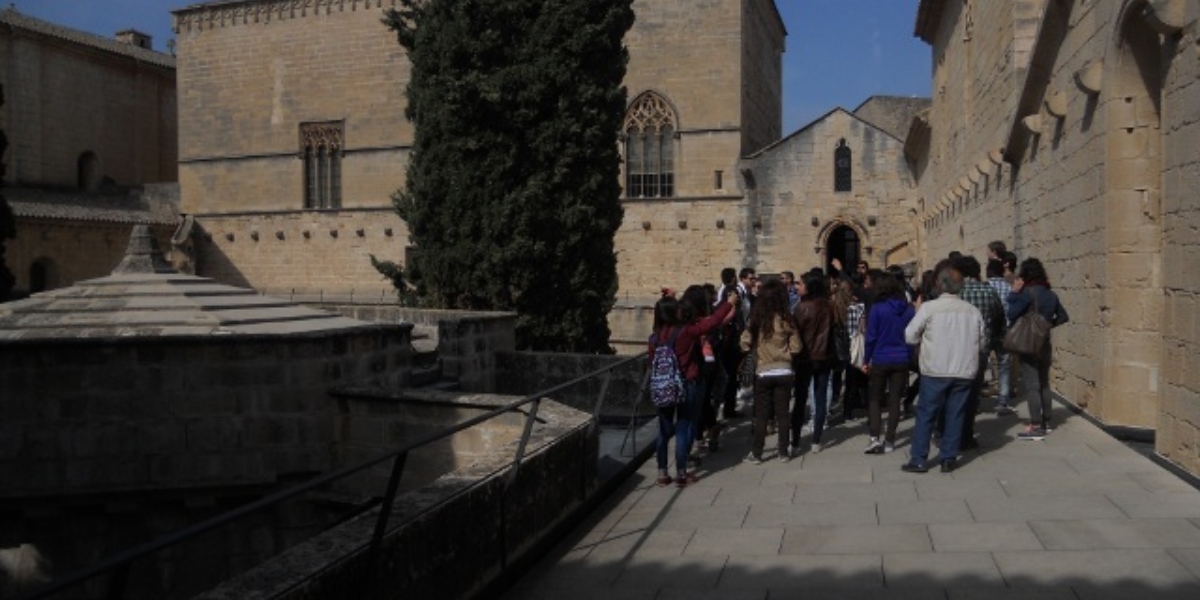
(772, 336)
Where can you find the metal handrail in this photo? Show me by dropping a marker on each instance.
(121, 562)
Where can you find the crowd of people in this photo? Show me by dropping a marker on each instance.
(869, 340)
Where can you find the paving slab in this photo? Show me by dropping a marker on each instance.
(1148, 504)
(1136, 568)
(858, 539)
(845, 513)
(803, 572)
(782, 493)
(1052, 507)
(982, 537)
(1095, 534)
(1069, 484)
(941, 570)
(695, 572)
(923, 512)
(742, 542)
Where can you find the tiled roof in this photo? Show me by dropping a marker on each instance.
(131, 208)
(11, 17)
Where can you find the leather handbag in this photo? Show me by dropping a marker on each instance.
(1029, 333)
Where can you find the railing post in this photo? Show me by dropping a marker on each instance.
(600, 401)
(116, 583)
(385, 512)
(512, 473)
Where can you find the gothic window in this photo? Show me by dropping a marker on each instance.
(841, 167)
(649, 132)
(321, 148)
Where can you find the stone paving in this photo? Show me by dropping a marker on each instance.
(1076, 516)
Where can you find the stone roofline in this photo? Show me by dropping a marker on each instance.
(18, 20)
(229, 13)
(812, 123)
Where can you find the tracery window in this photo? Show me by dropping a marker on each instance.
(841, 167)
(321, 147)
(649, 132)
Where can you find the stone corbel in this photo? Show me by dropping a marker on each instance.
(996, 156)
(1167, 17)
(1056, 105)
(1033, 123)
(1090, 77)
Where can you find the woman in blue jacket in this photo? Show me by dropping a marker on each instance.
(886, 358)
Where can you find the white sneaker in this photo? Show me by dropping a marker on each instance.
(816, 448)
(752, 459)
(888, 447)
(807, 429)
(874, 446)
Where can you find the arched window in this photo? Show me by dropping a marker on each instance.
(649, 132)
(841, 167)
(87, 176)
(321, 148)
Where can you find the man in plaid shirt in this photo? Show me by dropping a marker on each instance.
(983, 297)
(995, 274)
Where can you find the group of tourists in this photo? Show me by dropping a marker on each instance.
(870, 339)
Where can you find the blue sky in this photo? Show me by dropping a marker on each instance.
(839, 52)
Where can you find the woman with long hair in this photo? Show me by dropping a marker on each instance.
(676, 320)
(1031, 292)
(814, 318)
(772, 336)
(846, 381)
(886, 359)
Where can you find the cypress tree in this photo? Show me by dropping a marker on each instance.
(512, 193)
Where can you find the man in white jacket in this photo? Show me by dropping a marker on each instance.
(951, 333)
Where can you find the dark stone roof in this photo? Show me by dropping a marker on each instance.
(73, 205)
(15, 19)
(145, 298)
(893, 114)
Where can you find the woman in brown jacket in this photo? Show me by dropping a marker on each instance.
(771, 335)
(814, 318)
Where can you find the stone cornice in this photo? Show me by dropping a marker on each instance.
(228, 13)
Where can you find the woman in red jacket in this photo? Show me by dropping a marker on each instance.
(674, 319)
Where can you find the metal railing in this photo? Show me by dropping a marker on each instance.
(119, 565)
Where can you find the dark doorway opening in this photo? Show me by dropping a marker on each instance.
(845, 246)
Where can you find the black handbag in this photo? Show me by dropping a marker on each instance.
(1029, 333)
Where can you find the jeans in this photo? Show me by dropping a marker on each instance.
(973, 400)
(893, 378)
(815, 372)
(678, 421)
(938, 395)
(771, 391)
(1035, 385)
(1003, 378)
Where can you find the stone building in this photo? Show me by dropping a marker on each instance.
(1069, 129)
(90, 123)
(293, 137)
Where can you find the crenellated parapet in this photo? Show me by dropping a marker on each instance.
(215, 15)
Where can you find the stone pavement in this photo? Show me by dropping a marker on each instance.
(1076, 516)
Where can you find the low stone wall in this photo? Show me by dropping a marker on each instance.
(449, 539)
(467, 341)
(524, 373)
(101, 415)
(631, 324)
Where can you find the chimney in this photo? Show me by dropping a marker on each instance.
(134, 37)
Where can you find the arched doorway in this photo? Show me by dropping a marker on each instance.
(845, 245)
(87, 172)
(42, 276)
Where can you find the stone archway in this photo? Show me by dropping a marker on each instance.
(844, 240)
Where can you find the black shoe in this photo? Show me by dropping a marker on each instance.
(947, 466)
(910, 467)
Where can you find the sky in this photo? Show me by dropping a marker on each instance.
(839, 52)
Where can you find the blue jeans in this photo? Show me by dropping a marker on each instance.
(679, 421)
(817, 373)
(939, 394)
(1003, 378)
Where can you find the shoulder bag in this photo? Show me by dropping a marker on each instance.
(1029, 333)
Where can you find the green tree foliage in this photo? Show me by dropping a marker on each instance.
(512, 193)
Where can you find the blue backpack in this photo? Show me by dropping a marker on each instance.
(666, 379)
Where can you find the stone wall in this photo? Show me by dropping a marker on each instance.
(472, 508)
(468, 342)
(525, 373)
(56, 244)
(65, 99)
(1097, 133)
(105, 415)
